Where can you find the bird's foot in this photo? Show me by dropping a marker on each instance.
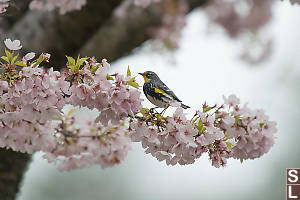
(152, 109)
(164, 110)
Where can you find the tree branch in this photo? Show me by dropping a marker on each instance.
(60, 34)
(14, 12)
(12, 167)
(119, 36)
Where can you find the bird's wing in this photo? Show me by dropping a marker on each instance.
(167, 92)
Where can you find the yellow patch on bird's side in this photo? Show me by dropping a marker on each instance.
(156, 90)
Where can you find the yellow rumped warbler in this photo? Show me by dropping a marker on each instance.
(157, 92)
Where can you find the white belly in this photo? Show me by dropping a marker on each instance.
(156, 102)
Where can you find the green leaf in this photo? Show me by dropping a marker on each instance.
(195, 119)
(199, 126)
(144, 111)
(133, 84)
(261, 124)
(71, 60)
(238, 120)
(226, 134)
(77, 64)
(109, 77)
(14, 59)
(5, 58)
(122, 123)
(92, 130)
(128, 71)
(71, 111)
(72, 67)
(237, 117)
(56, 119)
(9, 55)
(218, 116)
(20, 63)
(94, 68)
(81, 61)
(208, 108)
(229, 145)
(38, 61)
(158, 116)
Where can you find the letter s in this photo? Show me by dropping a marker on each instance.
(293, 176)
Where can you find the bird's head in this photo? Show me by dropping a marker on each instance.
(148, 76)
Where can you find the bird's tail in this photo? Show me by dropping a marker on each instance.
(184, 106)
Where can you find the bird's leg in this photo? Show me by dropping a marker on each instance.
(151, 109)
(161, 114)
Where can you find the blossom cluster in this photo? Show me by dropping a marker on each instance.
(33, 118)
(3, 5)
(64, 6)
(244, 18)
(170, 139)
(144, 3)
(224, 131)
(172, 19)
(32, 97)
(237, 17)
(27, 105)
(93, 87)
(81, 142)
(295, 1)
(251, 129)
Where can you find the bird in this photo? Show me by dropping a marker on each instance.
(158, 93)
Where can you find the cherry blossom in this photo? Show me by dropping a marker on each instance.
(231, 101)
(295, 1)
(3, 5)
(13, 45)
(114, 100)
(28, 57)
(64, 6)
(144, 3)
(46, 56)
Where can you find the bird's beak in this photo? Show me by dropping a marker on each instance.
(141, 74)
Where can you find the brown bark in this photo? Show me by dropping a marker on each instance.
(119, 36)
(14, 12)
(12, 167)
(91, 31)
(57, 34)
